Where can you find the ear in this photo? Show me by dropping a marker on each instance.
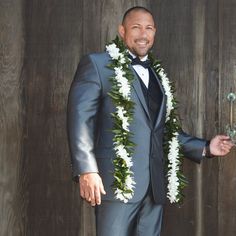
(121, 31)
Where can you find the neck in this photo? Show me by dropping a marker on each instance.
(141, 58)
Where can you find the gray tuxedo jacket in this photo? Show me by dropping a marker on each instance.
(90, 136)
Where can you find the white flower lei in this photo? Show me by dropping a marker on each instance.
(120, 94)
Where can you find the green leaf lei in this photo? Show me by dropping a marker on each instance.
(124, 182)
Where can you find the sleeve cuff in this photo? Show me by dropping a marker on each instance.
(206, 151)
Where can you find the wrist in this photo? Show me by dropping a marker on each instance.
(77, 177)
(207, 151)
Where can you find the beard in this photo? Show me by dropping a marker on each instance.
(140, 52)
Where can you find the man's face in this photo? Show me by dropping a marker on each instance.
(138, 32)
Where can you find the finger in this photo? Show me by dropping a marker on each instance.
(222, 146)
(228, 145)
(227, 141)
(102, 190)
(225, 149)
(92, 202)
(97, 196)
(224, 137)
(87, 195)
(82, 194)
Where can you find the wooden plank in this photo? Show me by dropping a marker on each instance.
(211, 116)
(53, 49)
(227, 175)
(11, 60)
(92, 26)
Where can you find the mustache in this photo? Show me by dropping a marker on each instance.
(141, 40)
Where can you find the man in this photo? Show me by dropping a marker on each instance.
(91, 139)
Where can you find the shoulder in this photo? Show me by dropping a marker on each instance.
(101, 55)
(99, 59)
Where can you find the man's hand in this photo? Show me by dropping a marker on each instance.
(91, 188)
(220, 145)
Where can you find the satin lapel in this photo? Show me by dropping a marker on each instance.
(139, 92)
(163, 104)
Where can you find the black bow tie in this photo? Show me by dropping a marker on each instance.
(137, 61)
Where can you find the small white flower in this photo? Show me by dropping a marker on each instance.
(123, 83)
(121, 151)
(125, 91)
(124, 88)
(122, 59)
(119, 72)
(121, 114)
(113, 51)
(124, 197)
(128, 196)
(129, 182)
(119, 195)
(125, 124)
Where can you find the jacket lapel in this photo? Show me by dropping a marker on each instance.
(138, 90)
(162, 111)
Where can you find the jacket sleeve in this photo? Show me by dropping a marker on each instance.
(83, 104)
(192, 146)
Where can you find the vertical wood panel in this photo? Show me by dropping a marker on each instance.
(199, 96)
(227, 174)
(211, 116)
(92, 24)
(11, 60)
(53, 49)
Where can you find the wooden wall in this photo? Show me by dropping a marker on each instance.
(12, 213)
(41, 43)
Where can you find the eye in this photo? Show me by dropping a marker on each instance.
(135, 26)
(150, 28)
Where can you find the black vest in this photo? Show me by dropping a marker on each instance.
(153, 95)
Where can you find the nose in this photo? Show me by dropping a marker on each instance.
(143, 33)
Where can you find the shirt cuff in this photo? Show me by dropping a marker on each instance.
(206, 151)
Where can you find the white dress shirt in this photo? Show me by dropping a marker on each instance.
(141, 71)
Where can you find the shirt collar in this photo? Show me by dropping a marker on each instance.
(133, 55)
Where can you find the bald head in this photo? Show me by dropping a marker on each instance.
(133, 10)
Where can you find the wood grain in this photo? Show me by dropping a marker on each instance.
(41, 43)
(53, 49)
(11, 61)
(227, 174)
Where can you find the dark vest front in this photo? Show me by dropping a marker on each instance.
(153, 95)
